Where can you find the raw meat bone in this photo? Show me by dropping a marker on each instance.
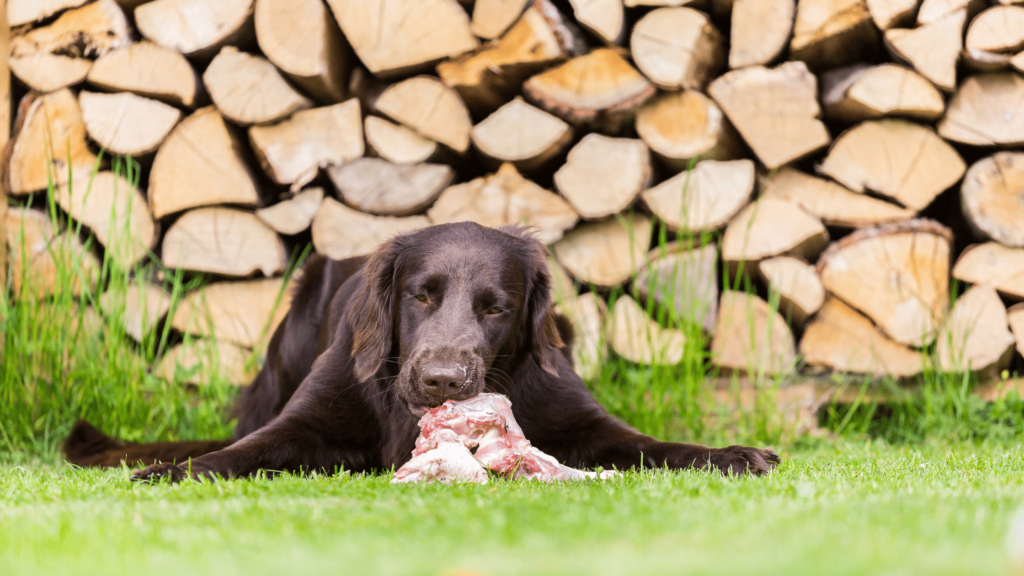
(449, 432)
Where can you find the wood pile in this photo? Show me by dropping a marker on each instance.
(776, 180)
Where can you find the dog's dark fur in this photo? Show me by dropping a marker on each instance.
(369, 344)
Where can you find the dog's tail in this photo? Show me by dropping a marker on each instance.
(87, 446)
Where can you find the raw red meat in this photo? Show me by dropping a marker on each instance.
(450, 433)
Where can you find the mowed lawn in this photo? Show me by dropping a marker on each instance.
(843, 509)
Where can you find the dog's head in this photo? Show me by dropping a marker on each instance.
(446, 303)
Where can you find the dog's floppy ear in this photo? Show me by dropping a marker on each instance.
(372, 313)
(545, 339)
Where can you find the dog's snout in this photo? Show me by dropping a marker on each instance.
(443, 379)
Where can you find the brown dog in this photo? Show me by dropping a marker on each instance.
(369, 345)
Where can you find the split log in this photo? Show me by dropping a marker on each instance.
(301, 38)
(185, 176)
(491, 18)
(635, 337)
(396, 143)
(1017, 62)
(991, 198)
(115, 211)
(932, 11)
(634, 3)
(896, 274)
(396, 37)
(563, 288)
(521, 134)
(703, 199)
(985, 111)
(44, 262)
(139, 308)
(829, 33)
(751, 337)
(603, 18)
(293, 216)
(224, 241)
(833, 204)
(504, 198)
(682, 126)
(147, 70)
(994, 264)
(340, 232)
(677, 48)
(602, 176)
(55, 56)
(27, 11)
(430, 109)
(771, 227)
(293, 151)
(5, 137)
(898, 159)
(599, 89)
(379, 187)
(995, 36)
(249, 90)
(243, 313)
(48, 141)
(976, 337)
(796, 282)
(1016, 320)
(933, 49)
(683, 279)
(840, 339)
(194, 27)
(892, 13)
(605, 253)
(760, 31)
(589, 349)
(775, 110)
(487, 79)
(863, 92)
(126, 124)
(203, 362)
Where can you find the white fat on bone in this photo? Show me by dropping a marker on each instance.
(450, 432)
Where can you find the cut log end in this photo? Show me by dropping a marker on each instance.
(224, 241)
(521, 134)
(430, 109)
(677, 48)
(703, 199)
(991, 198)
(603, 175)
(127, 124)
(682, 126)
(751, 337)
(295, 215)
(249, 89)
(796, 282)
(605, 253)
(379, 187)
(635, 337)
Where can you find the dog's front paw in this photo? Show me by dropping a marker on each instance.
(740, 460)
(153, 473)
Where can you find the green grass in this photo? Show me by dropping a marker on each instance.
(850, 508)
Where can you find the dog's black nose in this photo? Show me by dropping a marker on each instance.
(443, 379)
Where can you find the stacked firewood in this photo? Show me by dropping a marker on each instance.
(783, 178)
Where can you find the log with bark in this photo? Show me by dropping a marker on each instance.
(772, 227)
(796, 282)
(863, 92)
(895, 158)
(775, 110)
(430, 109)
(751, 337)
(986, 111)
(840, 339)
(223, 241)
(243, 313)
(993, 264)
(294, 215)
(195, 28)
(677, 48)
(126, 124)
(932, 49)
(896, 274)
(249, 90)
(521, 134)
(503, 198)
(148, 70)
(396, 143)
(605, 253)
(831, 202)
(682, 126)
(976, 336)
(293, 151)
(683, 279)
(603, 176)
(760, 31)
(634, 336)
(187, 176)
(991, 198)
(379, 187)
(703, 199)
(340, 232)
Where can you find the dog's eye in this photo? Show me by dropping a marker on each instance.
(422, 298)
(494, 310)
